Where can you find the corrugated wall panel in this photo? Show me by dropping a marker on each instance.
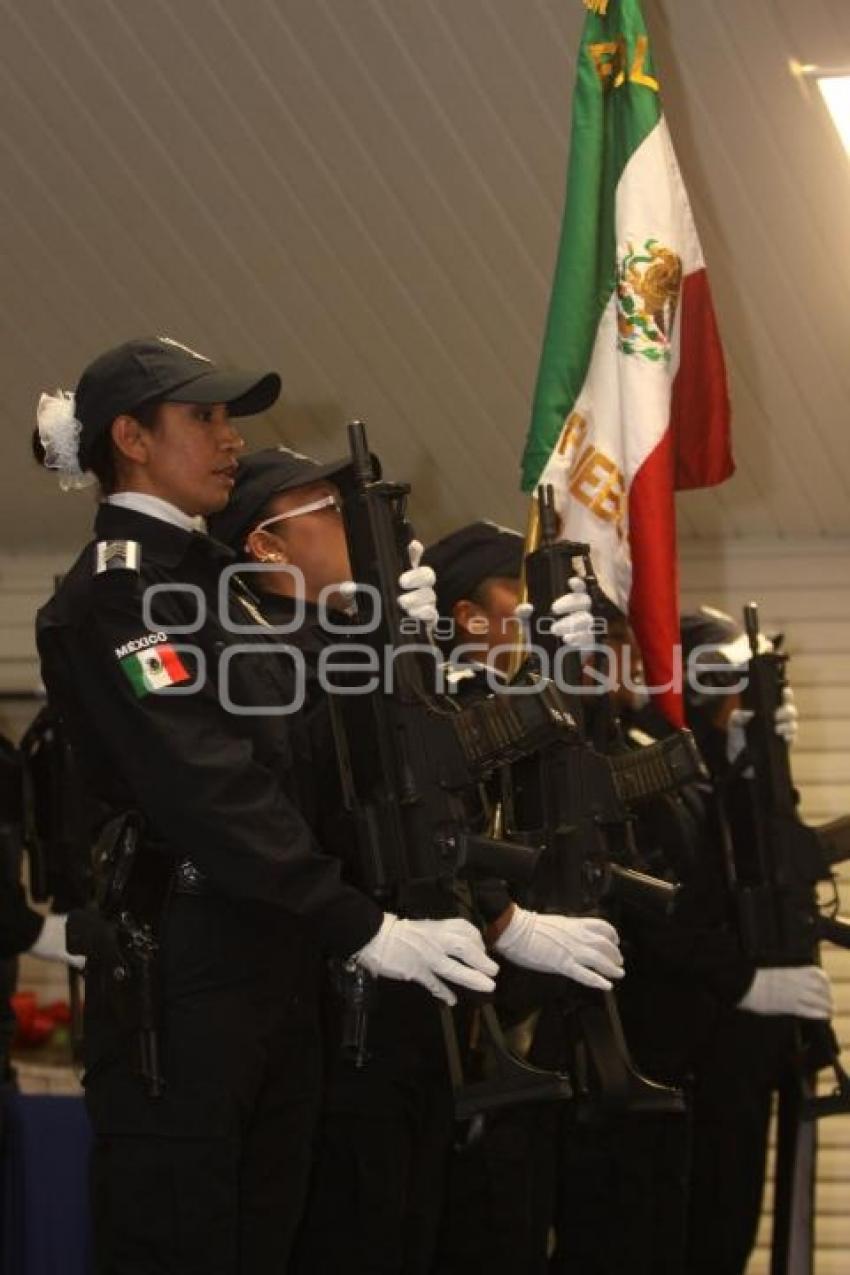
(803, 589)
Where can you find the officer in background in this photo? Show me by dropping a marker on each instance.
(753, 1044)
(375, 1201)
(694, 1007)
(541, 1192)
(22, 929)
(385, 1126)
(175, 715)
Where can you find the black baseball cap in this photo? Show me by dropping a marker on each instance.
(714, 640)
(158, 368)
(713, 629)
(465, 558)
(259, 477)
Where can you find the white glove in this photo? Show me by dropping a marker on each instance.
(804, 991)
(786, 718)
(583, 948)
(418, 599)
(785, 723)
(50, 944)
(575, 623)
(736, 732)
(422, 950)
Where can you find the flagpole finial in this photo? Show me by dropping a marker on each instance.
(597, 6)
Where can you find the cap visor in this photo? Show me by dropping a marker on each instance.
(244, 393)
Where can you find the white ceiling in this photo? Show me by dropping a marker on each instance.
(366, 195)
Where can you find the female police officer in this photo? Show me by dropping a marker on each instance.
(171, 713)
(376, 1196)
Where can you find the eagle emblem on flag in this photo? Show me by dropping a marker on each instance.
(649, 283)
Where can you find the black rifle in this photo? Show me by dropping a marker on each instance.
(409, 758)
(774, 866)
(570, 803)
(775, 869)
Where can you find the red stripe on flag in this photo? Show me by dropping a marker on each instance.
(699, 410)
(654, 602)
(174, 666)
(694, 452)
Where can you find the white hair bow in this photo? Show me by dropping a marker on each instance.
(59, 432)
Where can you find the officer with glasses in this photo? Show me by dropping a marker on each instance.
(386, 1130)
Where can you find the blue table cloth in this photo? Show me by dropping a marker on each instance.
(45, 1215)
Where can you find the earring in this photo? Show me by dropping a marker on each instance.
(272, 557)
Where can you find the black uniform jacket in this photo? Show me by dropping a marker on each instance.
(214, 783)
(685, 973)
(319, 786)
(405, 1030)
(316, 774)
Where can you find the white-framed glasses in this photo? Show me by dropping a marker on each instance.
(313, 507)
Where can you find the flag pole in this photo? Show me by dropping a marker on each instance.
(532, 542)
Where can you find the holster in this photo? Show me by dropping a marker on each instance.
(119, 935)
(357, 990)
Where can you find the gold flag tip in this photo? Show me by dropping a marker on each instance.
(597, 6)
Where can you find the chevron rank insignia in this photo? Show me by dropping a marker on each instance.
(117, 555)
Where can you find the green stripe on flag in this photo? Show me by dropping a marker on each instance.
(614, 111)
(133, 668)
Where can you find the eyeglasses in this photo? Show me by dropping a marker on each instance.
(314, 506)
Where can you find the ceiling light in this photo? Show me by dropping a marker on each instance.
(835, 90)
(834, 85)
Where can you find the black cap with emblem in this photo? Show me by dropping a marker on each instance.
(259, 477)
(465, 558)
(158, 368)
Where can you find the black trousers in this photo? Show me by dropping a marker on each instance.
(210, 1178)
(384, 1140)
(623, 1189)
(733, 1086)
(502, 1195)
(543, 1193)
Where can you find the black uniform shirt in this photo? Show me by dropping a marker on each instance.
(319, 791)
(213, 784)
(687, 971)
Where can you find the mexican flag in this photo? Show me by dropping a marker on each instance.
(154, 669)
(631, 400)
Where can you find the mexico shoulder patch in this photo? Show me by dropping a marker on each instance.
(154, 669)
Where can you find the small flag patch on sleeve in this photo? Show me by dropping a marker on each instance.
(154, 669)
